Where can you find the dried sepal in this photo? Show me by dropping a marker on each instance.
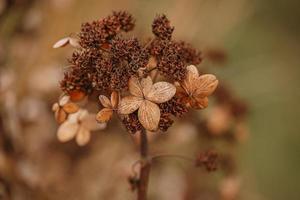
(114, 99)
(65, 41)
(74, 42)
(70, 107)
(67, 131)
(161, 92)
(149, 115)
(79, 125)
(129, 104)
(55, 107)
(146, 84)
(134, 86)
(83, 136)
(205, 85)
(61, 43)
(191, 78)
(104, 115)
(105, 101)
(60, 116)
(63, 100)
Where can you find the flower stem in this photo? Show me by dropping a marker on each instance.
(145, 167)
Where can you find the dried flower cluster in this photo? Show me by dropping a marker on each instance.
(105, 61)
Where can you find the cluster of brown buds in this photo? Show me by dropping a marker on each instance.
(149, 83)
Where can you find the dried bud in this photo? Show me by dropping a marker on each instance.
(208, 159)
(131, 123)
(161, 27)
(171, 63)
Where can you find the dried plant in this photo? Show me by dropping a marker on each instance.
(108, 62)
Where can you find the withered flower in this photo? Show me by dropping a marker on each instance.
(79, 125)
(144, 97)
(195, 89)
(64, 107)
(110, 105)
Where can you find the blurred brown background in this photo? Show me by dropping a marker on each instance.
(261, 39)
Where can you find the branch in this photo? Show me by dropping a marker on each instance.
(145, 167)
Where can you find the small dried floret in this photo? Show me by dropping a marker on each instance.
(76, 79)
(157, 46)
(171, 63)
(165, 122)
(127, 57)
(100, 32)
(208, 159)
(144, 97)
(125, 20)
(189, 54)
(161, 27)
(132, 123)
(174, 107)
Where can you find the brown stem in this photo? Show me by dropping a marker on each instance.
(145, 167)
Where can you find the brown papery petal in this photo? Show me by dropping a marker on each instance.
(61, 43)
(104, 115)
(83, 136)
(149, 115)
(60, 116)
(135, 87)
(114, 98)
(105, 101)
(67, 131)
(161, 92)
(191, 77)
(129, 104)
(70, 108)
(146, 84)
(205, 85)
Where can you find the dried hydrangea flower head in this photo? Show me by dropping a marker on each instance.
(79, 125)
(106, 61)
(144, 97)
(64, 107)
(196, 89)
